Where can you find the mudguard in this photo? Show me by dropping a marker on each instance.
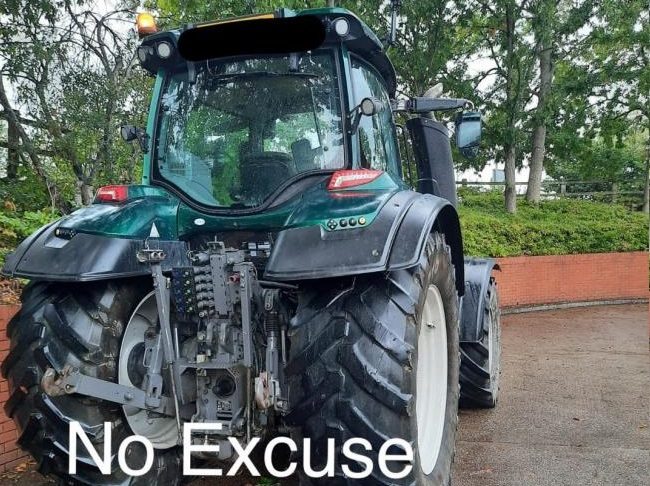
(395, 240)
(85, 257)
(477, 281)
(99, 242)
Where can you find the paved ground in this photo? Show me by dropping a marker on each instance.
(574, 408)
(575, 403)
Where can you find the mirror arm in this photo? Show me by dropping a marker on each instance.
(143, 139)
(422, 105)
(354, 118)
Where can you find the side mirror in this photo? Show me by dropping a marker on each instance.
(129, 133)
(468, 133)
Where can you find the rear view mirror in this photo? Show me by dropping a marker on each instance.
(369, 106)
(129, 133)
(468, 133)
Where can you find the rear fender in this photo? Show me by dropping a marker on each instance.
(395, 240)
(85, 257)
(100, 242)
(477, 281)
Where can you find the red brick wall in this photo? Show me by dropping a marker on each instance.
(10, 455)
(525, 281)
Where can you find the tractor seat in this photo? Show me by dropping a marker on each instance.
(303, 155)
(262, 173)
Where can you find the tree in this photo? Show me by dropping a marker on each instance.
(544, 30)
(67, 68)
(602, 90)
(503, 31)
(557, 27)
(621, 56)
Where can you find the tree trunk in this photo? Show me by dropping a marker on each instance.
(57, 200)
(543, 32)
(540, 119)
(13, 152)
(87, 193)
(646, 185)
(510, 172)
(534, 189)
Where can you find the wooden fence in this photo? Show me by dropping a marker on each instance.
(627, 192)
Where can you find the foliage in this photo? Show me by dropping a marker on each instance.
(555, 227)
(16, 226)
(24, 193)
(67, 66)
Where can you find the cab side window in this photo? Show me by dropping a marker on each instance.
(376, 133)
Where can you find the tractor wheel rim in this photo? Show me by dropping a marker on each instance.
(161, 431)
(431, 380)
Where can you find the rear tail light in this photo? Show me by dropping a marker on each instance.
(112, 194)
(344, 179)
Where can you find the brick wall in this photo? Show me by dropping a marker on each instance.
(10, 455)
(525, 281)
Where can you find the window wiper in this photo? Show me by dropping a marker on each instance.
(262, 74)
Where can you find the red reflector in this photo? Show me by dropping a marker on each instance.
(112, 194)
(343, 179)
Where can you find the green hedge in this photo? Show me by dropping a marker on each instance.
(15, 226)
(557, 227)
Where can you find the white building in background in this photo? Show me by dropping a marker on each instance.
(493, 172)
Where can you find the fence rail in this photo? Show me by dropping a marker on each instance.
(620, 191)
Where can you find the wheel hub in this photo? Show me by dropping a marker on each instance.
(161, 431)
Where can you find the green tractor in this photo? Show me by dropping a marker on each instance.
(274, 275)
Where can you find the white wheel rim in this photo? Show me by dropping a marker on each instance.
(431, 380)
(161, 431)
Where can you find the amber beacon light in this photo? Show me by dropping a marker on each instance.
(145, 24)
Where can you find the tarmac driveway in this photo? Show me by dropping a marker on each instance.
(574, 407)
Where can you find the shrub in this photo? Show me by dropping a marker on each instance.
(555, 227)
(16, 226)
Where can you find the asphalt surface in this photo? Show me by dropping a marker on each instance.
(574, 406)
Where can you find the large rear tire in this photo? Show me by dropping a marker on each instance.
(359, 367)
(480, 364)
(81, 326)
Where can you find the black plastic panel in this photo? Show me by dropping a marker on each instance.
(311, 252)
(433, 158)
(85, 257)
(393, 241)
(477, 281)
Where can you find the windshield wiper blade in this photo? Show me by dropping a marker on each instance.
(262, 74)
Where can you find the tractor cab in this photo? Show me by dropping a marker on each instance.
(242, 110)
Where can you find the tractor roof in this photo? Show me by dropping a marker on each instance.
(359, 39)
